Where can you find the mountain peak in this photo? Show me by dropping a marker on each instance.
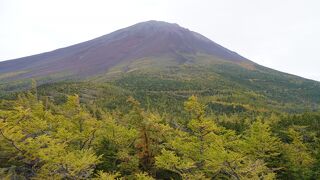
(154, 26)
(150, 39)
(156, 23)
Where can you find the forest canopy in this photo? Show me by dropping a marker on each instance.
(40, 139)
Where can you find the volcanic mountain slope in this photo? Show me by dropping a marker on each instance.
(147, 39)
(158, 59)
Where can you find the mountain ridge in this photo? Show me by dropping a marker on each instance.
(146, 39)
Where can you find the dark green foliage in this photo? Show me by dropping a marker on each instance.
(134, 142)
(109, 160)
(239, 119)
(230, 87)
(226, 108)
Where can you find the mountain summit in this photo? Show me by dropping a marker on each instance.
(151, 39)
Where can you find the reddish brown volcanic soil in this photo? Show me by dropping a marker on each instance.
(146, 39)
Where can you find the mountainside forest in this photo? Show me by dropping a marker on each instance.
(71, 139)
(155, 101)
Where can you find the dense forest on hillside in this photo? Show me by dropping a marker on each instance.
(69, 131)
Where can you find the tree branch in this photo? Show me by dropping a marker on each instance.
(11, 142)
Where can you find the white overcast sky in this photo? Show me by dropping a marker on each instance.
(281, 34)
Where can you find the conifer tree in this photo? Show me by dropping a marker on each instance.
(299, 159)
(209, 151)
(44, 143)
(259, 143)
